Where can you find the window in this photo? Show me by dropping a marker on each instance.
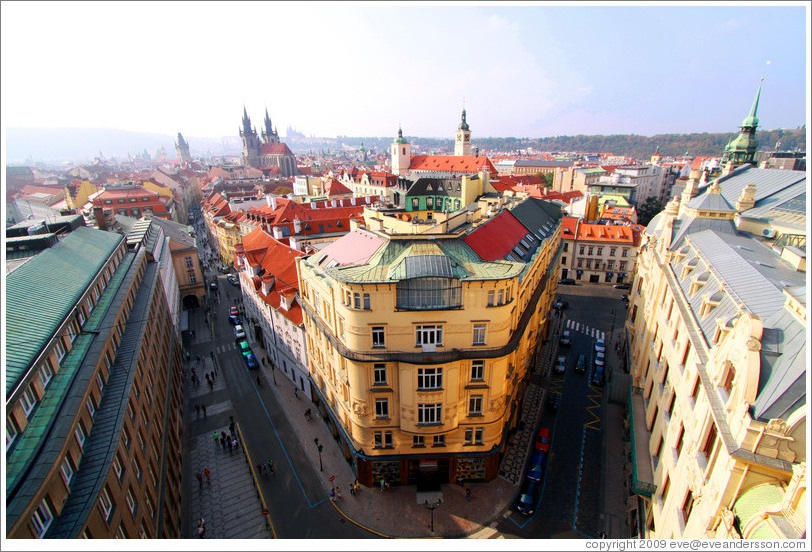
(666, 485)
(490, 298)
(378, 337)
(357, 300)
(600, 251)
(429, 378)
(192, 278)
(119, 471)
(582, 250)
(381, 408)
(46, 372)
(28, 401)
(687, 506)
(475, 405)
(415, 202)
(429, 335)
(478, 370)
(42, 519)
(341, 327)
(707, 448)
(379, 374)
(429, 203)
(622, 266)
(418, 441)
(132, 505)
(612, 251)
(439, 441)
(106, 504)
(120, 532)
(590, 250)
(11, 432)
(189, 262)
(366, 302)
(695, 392)
(72, 331)
(59, 349)
(387, 439)
(479, 334)
(67, 470)
(728, 383)
(137, 469)
(378, 439)
(500, 297)
(91, 407)
(624, 252)
(680, 439)
(429, 413)
(473, 436)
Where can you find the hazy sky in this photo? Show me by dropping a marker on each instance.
(360, 69)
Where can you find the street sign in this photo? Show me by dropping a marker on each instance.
(332, 478)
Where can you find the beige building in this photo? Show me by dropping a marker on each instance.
(716, 336)
(93, 395)
(420, 335)
(598, 253)
(577, 178)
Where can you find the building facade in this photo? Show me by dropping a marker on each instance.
(716, 327)
(598, 253)
(269, 155)
(93, 395)
(419, 345)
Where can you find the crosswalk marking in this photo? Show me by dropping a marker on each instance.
(588, 330)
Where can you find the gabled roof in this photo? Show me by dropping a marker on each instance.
(41, 293)
(605, 233)
(334, 187)
(279, 148)
(539, 216)
(497, 237)
(464, 164)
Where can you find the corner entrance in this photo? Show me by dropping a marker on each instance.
(190, 302)
(429, 475)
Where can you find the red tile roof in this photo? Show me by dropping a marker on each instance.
(333, 187)
(605, 233)
(568, 225)
(494, 239)
(453, 163)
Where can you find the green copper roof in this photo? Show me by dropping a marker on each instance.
(41, 293)
(755, 498)
(752, 118)
(400, 139)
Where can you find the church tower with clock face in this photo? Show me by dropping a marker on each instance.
(462, 146)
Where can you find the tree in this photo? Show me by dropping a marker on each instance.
(647, 210)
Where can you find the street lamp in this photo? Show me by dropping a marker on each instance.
(319, 447)
(431, 508)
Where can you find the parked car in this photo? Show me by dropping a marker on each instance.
(623, 286)
(567, 282)
(239, 333)
(565, 338)
(536, 467)
(243, 347)
(553, 399)
(600, 346)
(600, 358)
(235, 320)
(233, 280)
(213, 286)
(598, 377)
(543, 440)
(580, 366)
(234, 311)
(250, 361)
(561, 365)
(527, 499)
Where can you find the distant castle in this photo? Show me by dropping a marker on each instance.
(269, 155)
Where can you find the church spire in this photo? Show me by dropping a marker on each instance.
(742, 149)
(268, 125)
(246, 121)
(463, 122)
(752, 118)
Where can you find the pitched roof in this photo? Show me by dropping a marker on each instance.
(468, 164)
(605, 233)
(497, 237)
(279, 148)
(334, 187)
(41, 293)
(354, 248)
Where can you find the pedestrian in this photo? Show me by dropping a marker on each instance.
(259, 381)
(223, 442)
(197, 408)
(228, 443)
(201, 528)
(332, 495)
(468, 494)
(338, 492)
(231, 427)
(203, 407)
(207, 473)
(352, 489)
(211, 385)
(270, 467)
(194, 374)
(383, 483)
(234, 444)
(199, 478)
(296, 392)
(216, 437)
(260, 468)
(198, 358)
(193, 333)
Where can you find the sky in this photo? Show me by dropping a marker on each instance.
(363, 69)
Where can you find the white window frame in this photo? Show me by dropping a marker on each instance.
(46, 373)
(41, 519)
(379, 374)
(67, 470)
(477, 370)
(91, 407)
(439, 441)
(72, 331)
(382, 408)
(418, 441)
(429, 335)
(387, 440)
(491, 298)
(28, 401)
(478, 432)
(11, 432)
(430, 413)
(429, 379)
(81, 434)
(475, 405)
(60, 350)
(479, 334)
(105, 504)
(132, 505)
(367, 302)
(117, 468)
(378, 337)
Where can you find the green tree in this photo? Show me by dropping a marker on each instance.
(647, 210)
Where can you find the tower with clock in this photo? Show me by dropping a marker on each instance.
(462, 145)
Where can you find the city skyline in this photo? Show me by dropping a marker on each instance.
(525, 71)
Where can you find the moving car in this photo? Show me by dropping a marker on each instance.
(527, 500)
(567, 282)
(600, 346)
(536, 468)
(580, 366)
(561, 365)
(565, 338)
(239, 333)
(213, 286)
(250, 360)
(234, 311)
(543, 440)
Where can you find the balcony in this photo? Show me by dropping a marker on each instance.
(642, 473)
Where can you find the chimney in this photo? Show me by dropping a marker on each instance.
(273, 202)
(748, 198)
(101, 220)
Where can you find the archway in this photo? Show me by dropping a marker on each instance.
(190, 302)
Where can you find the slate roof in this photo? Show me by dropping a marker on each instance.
(175, 231)
(538, 216)
(710, 201)
(41, 293)
(426, 186)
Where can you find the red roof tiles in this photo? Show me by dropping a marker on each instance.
(453, 163)
(494, 239)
